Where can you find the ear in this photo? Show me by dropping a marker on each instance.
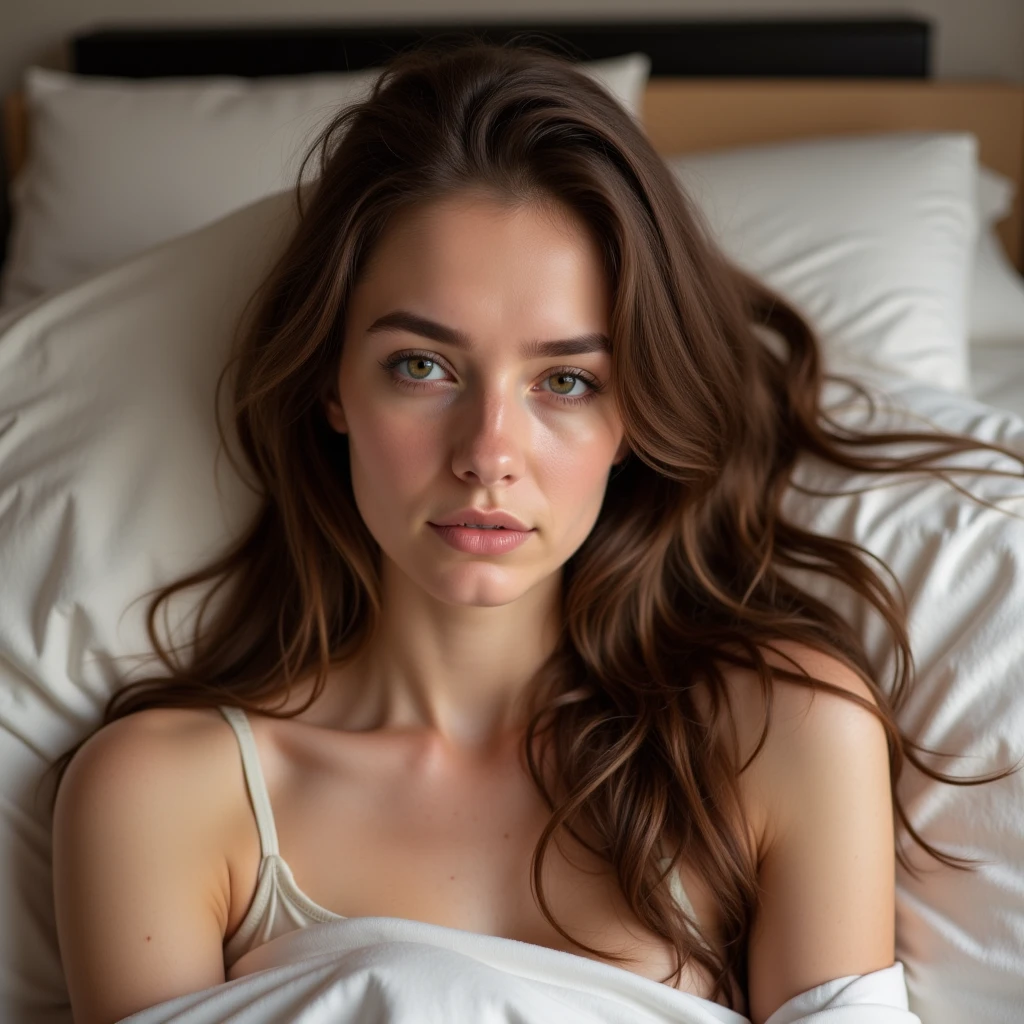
(335, 413)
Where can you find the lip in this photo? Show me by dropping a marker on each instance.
(482, 518)
(480, 542)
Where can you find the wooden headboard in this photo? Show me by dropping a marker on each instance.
(714, 85)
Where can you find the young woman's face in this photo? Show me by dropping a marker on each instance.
(475, 345)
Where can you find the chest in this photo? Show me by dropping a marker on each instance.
(372, 828)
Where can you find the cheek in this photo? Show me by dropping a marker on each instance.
(572, 463)
(393, 455)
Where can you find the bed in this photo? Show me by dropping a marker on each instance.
(931, 176)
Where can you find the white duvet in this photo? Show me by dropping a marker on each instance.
(385, 970)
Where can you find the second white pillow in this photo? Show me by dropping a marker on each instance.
(997, 288)
(871, 237)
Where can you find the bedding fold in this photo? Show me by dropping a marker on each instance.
(386, 970)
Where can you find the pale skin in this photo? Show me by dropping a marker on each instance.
(401, 792)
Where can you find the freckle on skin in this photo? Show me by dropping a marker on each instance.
(452, 877)
(506, 835)
(148, 937)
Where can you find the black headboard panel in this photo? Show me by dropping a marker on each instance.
(861, 48)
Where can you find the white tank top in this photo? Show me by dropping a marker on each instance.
(279, 905)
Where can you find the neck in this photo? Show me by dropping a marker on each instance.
(459, 673)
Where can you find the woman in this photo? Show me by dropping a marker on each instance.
(510, 647)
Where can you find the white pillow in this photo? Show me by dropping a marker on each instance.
(995, 196)
(872, 238)
(108, 489)
(117, 165)
(997, 287)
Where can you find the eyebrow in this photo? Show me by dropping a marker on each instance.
(402, 320)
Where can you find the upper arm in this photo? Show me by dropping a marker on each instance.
(136, 871)
(827, 870)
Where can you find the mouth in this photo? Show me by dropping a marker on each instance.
(473, 526)
(494, 520)
(480, 539)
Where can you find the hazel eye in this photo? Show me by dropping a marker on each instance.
(419, 366)
(563, 383)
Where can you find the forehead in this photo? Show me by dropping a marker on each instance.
(475, 258)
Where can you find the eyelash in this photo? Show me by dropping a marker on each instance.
(595, 386)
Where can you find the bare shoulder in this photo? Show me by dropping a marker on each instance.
(154, 723)
(177, 765)
(797, 710)
(821, 785)
(141, 886)
(182, 750)
(817, 798)
(808, 727)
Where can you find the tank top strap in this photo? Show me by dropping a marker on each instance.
(254, 780)
(675, 884)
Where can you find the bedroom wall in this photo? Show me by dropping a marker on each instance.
(975, 39)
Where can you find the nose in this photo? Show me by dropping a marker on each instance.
(490, 435)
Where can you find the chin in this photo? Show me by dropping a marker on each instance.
(480, 585)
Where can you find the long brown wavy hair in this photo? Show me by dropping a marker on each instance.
(685, 570)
